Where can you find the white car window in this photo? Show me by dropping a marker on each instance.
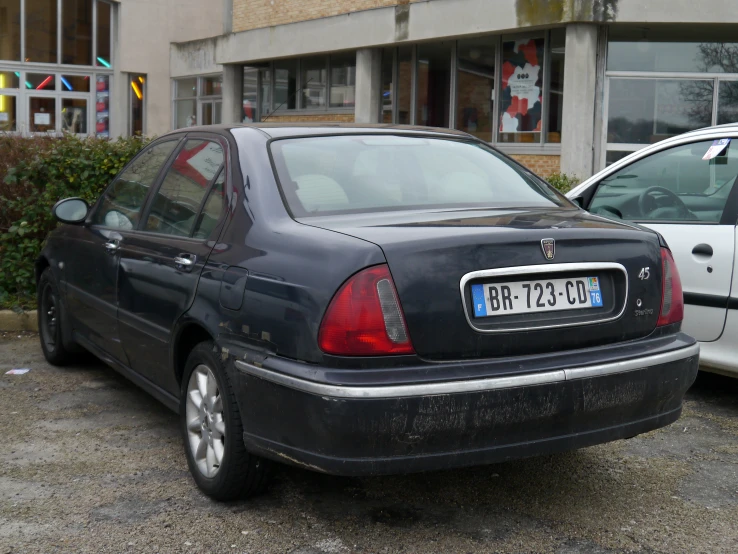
(672, 185)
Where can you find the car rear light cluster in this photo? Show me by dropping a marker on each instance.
(365, 318)
(672, 298)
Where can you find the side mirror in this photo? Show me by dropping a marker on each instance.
(578, 200)
(71, 210)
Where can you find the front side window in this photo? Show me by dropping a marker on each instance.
(675, 185)
(350, 174)
(175, 207)
(121, 205)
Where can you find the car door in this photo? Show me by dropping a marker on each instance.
(693, 203)
(91, 270)
(161, 260)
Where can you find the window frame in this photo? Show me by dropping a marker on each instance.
(199, 98)
(154, 190)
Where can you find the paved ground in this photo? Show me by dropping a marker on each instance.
(89, 463)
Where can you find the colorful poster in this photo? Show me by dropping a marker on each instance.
(522, 85)
(102, 106)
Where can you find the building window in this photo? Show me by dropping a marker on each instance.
(504, 90)
(198, 101)
(433, 84)
(476, 87)
(74, 97)
(250, 94)
(314, 75)
(137, 109)
(77, 32)
(41, 44)
(343, 80)
(285, 85)
(10, 30)
(657, 87)
(104, 34)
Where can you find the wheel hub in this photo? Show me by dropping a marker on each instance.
(205, 421)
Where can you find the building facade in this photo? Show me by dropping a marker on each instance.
(94, 67)
(567, 85)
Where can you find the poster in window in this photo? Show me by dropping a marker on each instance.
(522, 84)
(102, 106)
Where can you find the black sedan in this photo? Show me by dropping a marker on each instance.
(360, 300)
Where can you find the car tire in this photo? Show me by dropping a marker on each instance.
(50, 320)
(213, 432)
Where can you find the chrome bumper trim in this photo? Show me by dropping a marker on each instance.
(469, 385)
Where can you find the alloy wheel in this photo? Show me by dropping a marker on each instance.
(49, 318)
(206, 427)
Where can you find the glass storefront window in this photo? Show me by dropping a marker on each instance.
(343, 80)
(186, 113)
(40, 81)
(265, 76)
(75, 83)
(644, 55)
(404, 84)
(77, 32)
(42, 112)
(41, 18)
(727, 102)
(521, 99)
(8, 113)
(476, 87)
(74, 115)
(250, 94)
(10, 31)
(555, 96)
(387, 84)
(186, 88)
(9, 79)
(103, 34)
(138, 104)
(433, 84)
(644, 111)
(314, 82)
(285, 86)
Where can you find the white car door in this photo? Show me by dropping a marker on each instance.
(693, 203)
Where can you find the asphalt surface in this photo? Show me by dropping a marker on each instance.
(90, 463)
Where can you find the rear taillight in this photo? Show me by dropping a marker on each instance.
(672, 299)
(365, 318)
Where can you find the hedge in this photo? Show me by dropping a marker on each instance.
(34, 174)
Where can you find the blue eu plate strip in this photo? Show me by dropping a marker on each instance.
(480, 306)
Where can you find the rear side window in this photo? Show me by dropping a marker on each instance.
(176, 205)
(352, 173)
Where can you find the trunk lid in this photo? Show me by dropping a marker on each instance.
(437, 257)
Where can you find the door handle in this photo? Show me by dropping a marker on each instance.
(702, 250)
(185, 261)
(112, 246)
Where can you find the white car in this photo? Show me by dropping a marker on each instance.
(689, 196)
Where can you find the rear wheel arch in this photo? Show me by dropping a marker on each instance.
(188, 337)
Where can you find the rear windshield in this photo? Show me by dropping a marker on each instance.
(369, 173)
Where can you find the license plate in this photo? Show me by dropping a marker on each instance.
(536, 296)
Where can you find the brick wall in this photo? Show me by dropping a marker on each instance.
(254, 14)
(540, 165)
(307, 118)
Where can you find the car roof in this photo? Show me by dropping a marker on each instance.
(279, 130)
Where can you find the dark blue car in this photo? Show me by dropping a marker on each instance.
(360, 300)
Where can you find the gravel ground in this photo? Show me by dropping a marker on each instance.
(93, 464)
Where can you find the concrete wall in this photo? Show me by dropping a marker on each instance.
(255, 14)
(145, 30)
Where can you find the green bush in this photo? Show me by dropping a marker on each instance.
(562, 182)
(45, 171)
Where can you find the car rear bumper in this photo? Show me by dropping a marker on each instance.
(368, 430)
